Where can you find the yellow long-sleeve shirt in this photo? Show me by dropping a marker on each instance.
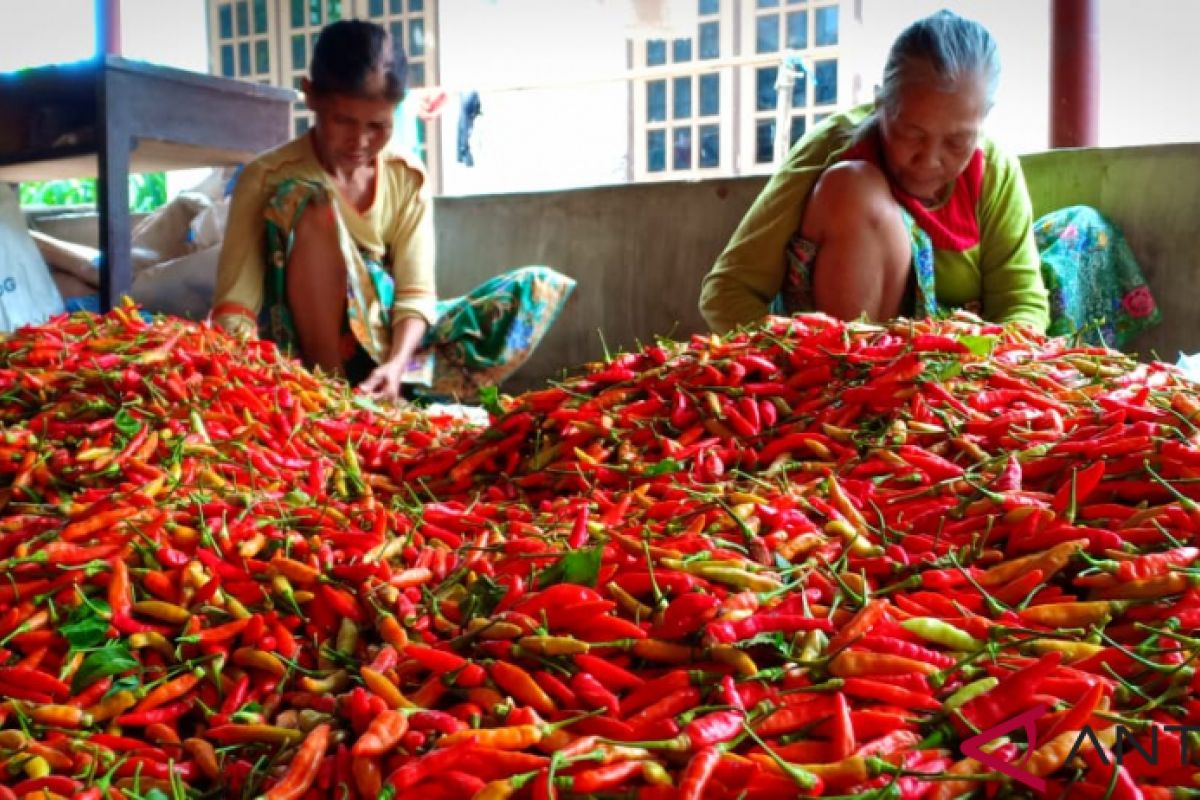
(1003, 271)
(396, 229)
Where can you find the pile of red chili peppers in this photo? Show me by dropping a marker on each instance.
(808, 559)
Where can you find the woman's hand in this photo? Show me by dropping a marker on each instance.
(385, 380)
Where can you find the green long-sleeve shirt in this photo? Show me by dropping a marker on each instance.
(1002, 272)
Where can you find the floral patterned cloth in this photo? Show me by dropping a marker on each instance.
(1097, 290)
(478, 339)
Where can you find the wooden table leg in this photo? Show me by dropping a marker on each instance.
(112, 189)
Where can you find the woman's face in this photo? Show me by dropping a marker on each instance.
(351, 131)
(930, 134)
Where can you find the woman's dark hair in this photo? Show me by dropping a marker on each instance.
(348, 53)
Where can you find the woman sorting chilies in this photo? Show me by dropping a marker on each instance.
(330, 246)
(904, 207)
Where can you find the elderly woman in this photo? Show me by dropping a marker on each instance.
(330, 245)
(905, 208)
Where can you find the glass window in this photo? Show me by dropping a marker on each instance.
(764, 141)
(298, 13)
(260, 16)
(709, 7)
(243, 18)
(682, 148)
(768, 3)
(681, 50)
(656, 151)
(800, 91)
(301, 125)
(227, 65)
(396, 29)
(225, 24)
(299, 52)
(656, 101)
(416, 74)
(375, 8)
(416, 37)
(710, 95)
(710, 145)
(262, 57)
(314, 12)
(827, 26)
(797, 30)
(710, 40)
(819, 118)
(244, 64)
(826, 88)
(334, 10)
(416, 5)
(766, 34)
(764, 78)
(656, 52)
(799, 126)
(682, 105)
(396, 6)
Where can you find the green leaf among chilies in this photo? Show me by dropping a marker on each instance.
(577, 566)
(112, 659)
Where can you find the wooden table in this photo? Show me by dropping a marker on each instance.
(109, 117)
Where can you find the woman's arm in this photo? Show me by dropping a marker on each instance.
(750, 272)
(241, 267)
(414, 248)
(1010, 265)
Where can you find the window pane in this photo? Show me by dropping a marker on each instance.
(681, 50)
(262, 57)
(334, 10)
(797, 30)
(710, 95)
(227, 67)
(656, 101)
(709, 6)
(799, 126)
(710, 145)
(682, 140)
(765, 85)
(243, 18)
(314, 12)
(416, 5)
(416, 37)
(244, 58)
(416, 74)
(396, 6)
(826, 89)
(764, 141)
(710, 40)
(297, 13)
(225, 15)
(768, 3)
(827, 26)
(766, 36)
(656, 151)
(800, 91)
(682, 107)
(299, 52)
(396, 29)
(301, 125)
(656, 52)
(260, 16)
(375, 8)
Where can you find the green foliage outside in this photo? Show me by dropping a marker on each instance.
(146, 192)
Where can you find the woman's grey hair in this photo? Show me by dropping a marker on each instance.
(952, 46)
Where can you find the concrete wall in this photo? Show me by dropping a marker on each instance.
(640, 251)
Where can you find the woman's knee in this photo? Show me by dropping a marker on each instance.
(853, 200)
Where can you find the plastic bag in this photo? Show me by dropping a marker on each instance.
(28, 294)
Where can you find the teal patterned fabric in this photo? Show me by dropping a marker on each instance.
(1097, 290)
